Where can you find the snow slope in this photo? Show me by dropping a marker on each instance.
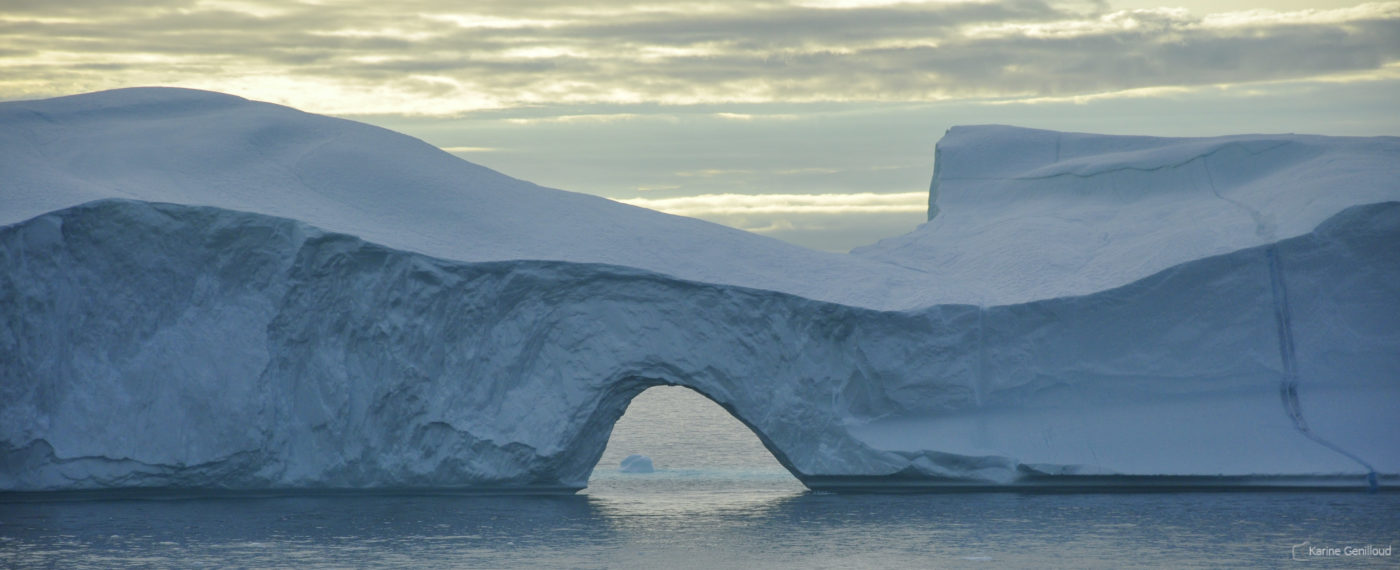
(208, 149)
(204, 292)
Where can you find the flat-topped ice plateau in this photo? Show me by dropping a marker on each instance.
(206, 293)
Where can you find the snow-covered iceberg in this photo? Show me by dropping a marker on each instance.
(204, 292)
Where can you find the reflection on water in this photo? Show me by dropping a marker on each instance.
(686, 493)
(757, 526)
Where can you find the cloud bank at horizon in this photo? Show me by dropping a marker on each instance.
(427, 57)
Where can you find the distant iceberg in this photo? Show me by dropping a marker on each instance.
(636, 463)
(203, 292)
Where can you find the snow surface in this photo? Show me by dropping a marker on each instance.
(208, 149)
(205, 292)
(1019, 214)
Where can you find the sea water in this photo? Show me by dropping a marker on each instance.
(716, 499)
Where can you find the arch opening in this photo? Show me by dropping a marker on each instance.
(693, 444)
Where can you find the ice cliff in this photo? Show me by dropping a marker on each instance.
(202, 292)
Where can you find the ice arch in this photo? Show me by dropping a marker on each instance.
(1083, 310)
(259, 353)
(256, 352)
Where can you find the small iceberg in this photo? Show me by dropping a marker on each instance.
(636, 464)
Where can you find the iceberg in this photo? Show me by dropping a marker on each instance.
(204, 292)
(636, 463)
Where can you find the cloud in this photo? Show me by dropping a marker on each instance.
(432, 57)
(706, 205)
(713, 172)
(832, 222)
(590, 118)
(656, 187)
(469, 149)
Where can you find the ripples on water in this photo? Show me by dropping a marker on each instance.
(711, 503)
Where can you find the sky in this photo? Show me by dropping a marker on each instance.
(811, 121)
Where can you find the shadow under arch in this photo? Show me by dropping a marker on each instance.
(594, 438)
